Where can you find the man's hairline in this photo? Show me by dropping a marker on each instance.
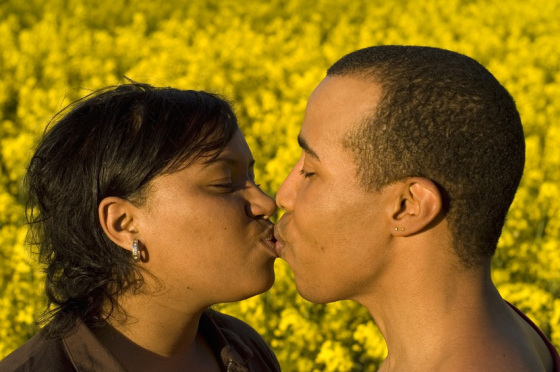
(368, 120)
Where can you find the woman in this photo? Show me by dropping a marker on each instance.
(143, 204)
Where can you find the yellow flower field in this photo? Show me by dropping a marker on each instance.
(266, 57)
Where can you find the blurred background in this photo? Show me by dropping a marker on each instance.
(266, 57)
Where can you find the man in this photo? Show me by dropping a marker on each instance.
(411, 158)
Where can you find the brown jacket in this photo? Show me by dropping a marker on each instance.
(239, 347)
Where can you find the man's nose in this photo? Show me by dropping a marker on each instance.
(287, 192)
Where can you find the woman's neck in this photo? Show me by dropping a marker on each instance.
(145, 334)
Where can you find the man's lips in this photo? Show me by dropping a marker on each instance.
(279, 242)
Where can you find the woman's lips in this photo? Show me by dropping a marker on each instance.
(270, 242)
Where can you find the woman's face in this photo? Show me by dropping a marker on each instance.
(205, 231)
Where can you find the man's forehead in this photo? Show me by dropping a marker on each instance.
(319, 143)
(336, 106)
(347, 90)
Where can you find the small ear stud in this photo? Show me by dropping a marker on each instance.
(402, 228)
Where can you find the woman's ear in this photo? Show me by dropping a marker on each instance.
(116, 216)
(418, 205)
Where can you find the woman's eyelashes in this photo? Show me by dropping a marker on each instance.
(225, 185)
(231, 186)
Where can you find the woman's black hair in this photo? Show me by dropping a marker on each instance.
(112, 142)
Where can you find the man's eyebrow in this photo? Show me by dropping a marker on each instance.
(306, 148)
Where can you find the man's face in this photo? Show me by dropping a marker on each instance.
(334, 232)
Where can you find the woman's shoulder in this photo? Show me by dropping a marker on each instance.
(244, 339)
(38, 354)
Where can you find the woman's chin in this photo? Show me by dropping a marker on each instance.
(263, 284)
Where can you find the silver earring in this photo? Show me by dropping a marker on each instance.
(135, 253)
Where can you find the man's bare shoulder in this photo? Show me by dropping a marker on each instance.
(504, 357)
(518, 349)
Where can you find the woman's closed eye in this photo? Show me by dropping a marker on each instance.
(229, 185)
(225, 185)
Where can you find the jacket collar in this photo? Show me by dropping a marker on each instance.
(88, 354)
(234, 353)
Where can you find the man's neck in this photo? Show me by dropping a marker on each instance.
(424, 313)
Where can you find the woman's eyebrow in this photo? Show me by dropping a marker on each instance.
(229, 161)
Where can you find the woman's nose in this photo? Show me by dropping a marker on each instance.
(261, 205)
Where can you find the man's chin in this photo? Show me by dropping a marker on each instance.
(312, 294)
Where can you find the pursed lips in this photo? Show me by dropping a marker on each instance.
(269, 239)
(279, 244)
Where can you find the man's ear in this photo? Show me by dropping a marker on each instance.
(116, 216)
(419, 204)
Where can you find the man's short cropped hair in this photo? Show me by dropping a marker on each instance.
(444, 117)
